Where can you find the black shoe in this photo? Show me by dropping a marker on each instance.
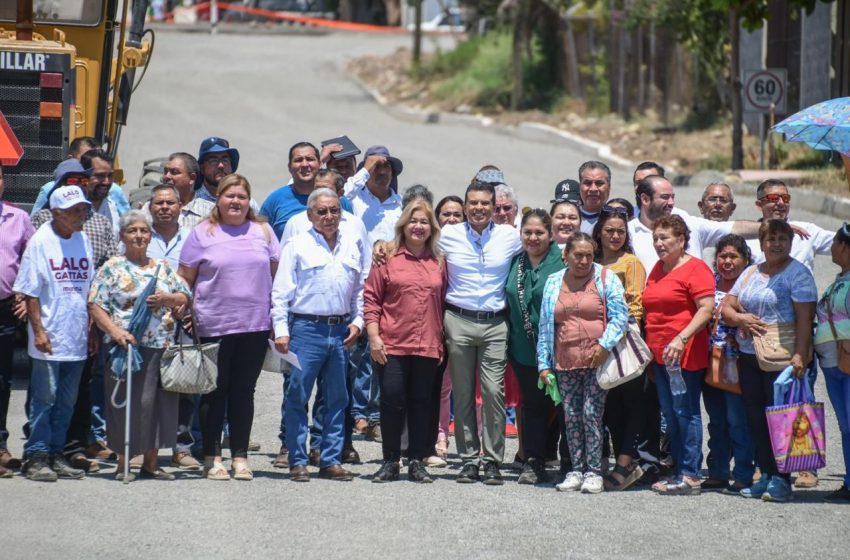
(350, 456)
(63, 470)
(37, 468)
(533, 472)
(387, 473)
(492, 476)
(714, 484)
(417, 473)
(468, 474)
(840, 495)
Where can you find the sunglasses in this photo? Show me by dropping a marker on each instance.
(774, 198)
(334, 210)
(505, 208)
(76, 181)
(615, 210)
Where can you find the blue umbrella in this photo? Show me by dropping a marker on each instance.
(139, 320)
(824, 126)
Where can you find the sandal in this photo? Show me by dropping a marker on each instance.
(216, 472)
(661, 485)
(630, 476)
(681, 488)
(157, 474)
(241, 471)
(442, 448)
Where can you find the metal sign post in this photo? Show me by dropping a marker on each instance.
(765, 93)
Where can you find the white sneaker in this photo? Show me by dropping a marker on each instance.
(591, 484)
(571, 482)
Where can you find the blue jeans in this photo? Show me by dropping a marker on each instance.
(53, 392)
(98, 402)
(684, 419)
(320, 351)
(838, 388)
(365, 390)
(728, 435)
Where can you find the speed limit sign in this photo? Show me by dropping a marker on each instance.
(763, 88)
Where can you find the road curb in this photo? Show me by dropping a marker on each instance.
(823, 203)
(527, 130)
(816, 202)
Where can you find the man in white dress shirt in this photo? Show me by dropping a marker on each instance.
(774, 201)
(656, 199)
(478, 255)
(317, 311)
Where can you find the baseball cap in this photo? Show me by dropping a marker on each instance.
(214, 145)
(567, 191)
(492, 176)
(395, 163)
(66, 197)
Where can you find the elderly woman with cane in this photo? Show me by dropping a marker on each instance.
(131, 301)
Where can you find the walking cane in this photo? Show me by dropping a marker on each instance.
(127, 414)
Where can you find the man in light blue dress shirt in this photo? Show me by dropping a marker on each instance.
(478, 255)
(317, 311)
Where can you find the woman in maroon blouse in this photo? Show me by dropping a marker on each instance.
(403, 312)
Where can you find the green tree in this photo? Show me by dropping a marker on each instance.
(711, 29)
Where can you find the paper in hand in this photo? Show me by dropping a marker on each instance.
(289, 356)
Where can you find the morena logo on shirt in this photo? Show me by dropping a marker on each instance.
(70, 268)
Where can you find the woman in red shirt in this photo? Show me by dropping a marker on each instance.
(678, 302)
(403, 313)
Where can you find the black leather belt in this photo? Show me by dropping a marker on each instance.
(477, 315)
(326, 319)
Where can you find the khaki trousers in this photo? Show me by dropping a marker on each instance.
(478, 346)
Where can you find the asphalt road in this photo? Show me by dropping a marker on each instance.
(264, 93)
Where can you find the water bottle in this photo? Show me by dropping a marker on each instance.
(677, 382)
(730, 364)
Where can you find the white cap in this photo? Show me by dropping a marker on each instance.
(67, 196)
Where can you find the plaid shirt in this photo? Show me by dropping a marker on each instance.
(97, 229)
(195, 212)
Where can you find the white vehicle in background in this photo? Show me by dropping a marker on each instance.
(450, 20)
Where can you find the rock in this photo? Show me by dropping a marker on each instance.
(463, 109)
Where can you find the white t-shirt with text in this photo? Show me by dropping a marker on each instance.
(58, 272)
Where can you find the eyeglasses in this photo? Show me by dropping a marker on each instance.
(616, 210)
(503, 209)
(217, 160)
(334, 210)
(775, 197)
(78, 181)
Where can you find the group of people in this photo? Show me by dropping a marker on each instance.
(400, 312)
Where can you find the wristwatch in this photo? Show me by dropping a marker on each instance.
(683, 339)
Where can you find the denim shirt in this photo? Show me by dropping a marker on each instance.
(615, 308)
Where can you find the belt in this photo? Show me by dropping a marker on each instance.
(477, 315)
(326, 319)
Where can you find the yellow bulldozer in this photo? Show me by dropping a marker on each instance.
(68, 68)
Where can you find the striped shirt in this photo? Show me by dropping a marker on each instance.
(15, 230)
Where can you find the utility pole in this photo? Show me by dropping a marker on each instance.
(417, 35)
